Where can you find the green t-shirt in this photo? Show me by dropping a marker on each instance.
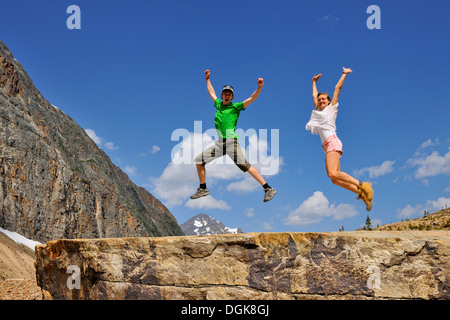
(226, 118)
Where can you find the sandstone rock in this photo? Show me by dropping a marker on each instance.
(54, 180)
(341, 265)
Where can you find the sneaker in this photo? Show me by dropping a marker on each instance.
(200, 193)
(269, 193)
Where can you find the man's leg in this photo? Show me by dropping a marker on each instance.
(255, 174)
(208, 155)
(202, 191)
(201, 171)
(234, 152)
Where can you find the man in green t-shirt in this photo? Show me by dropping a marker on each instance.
(227, 115)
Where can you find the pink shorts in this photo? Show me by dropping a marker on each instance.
(332, 143)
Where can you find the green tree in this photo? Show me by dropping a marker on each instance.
(368, 225)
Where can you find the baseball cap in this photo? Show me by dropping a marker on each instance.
(228, 87)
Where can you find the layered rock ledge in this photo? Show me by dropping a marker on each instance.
(340, 265)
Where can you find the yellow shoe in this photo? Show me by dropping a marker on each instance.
(366, 187)
(363, 196)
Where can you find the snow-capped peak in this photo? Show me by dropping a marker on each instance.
(203, 224)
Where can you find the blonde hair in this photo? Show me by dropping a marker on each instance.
(325, 94)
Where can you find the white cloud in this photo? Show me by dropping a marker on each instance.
(207, 202)
(246, 185)
(155, 149)
(328, 18)
(430, 206)
(175, 184)
(376, 171)
(429, 143)
(431, 165)
(91, 133)
(317, 207)
(100, 141)
(267, 226)
(376, 222)
(131, 171)
(249, 212)
(110, 146)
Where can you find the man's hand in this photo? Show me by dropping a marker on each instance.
(260, 82)
(207, 73)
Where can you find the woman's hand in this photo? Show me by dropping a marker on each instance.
(346, 70)
(316, 77)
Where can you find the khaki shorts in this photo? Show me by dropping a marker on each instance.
(221, 147)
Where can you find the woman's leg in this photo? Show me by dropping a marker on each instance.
(342, 179)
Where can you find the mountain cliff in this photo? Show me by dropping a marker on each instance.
(55, 182)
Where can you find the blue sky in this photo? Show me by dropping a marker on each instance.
(134, 74)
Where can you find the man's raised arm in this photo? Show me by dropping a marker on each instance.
(255, 94)
(209, 86)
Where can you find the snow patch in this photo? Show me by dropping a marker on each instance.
(198, 224)
(20, 239)
(232, 230)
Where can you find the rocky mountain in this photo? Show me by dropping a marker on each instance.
(55, 182)
(439, 220)
(202, 224)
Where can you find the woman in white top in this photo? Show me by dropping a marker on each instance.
(323, 123)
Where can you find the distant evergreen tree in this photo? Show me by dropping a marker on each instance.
(368, 225)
